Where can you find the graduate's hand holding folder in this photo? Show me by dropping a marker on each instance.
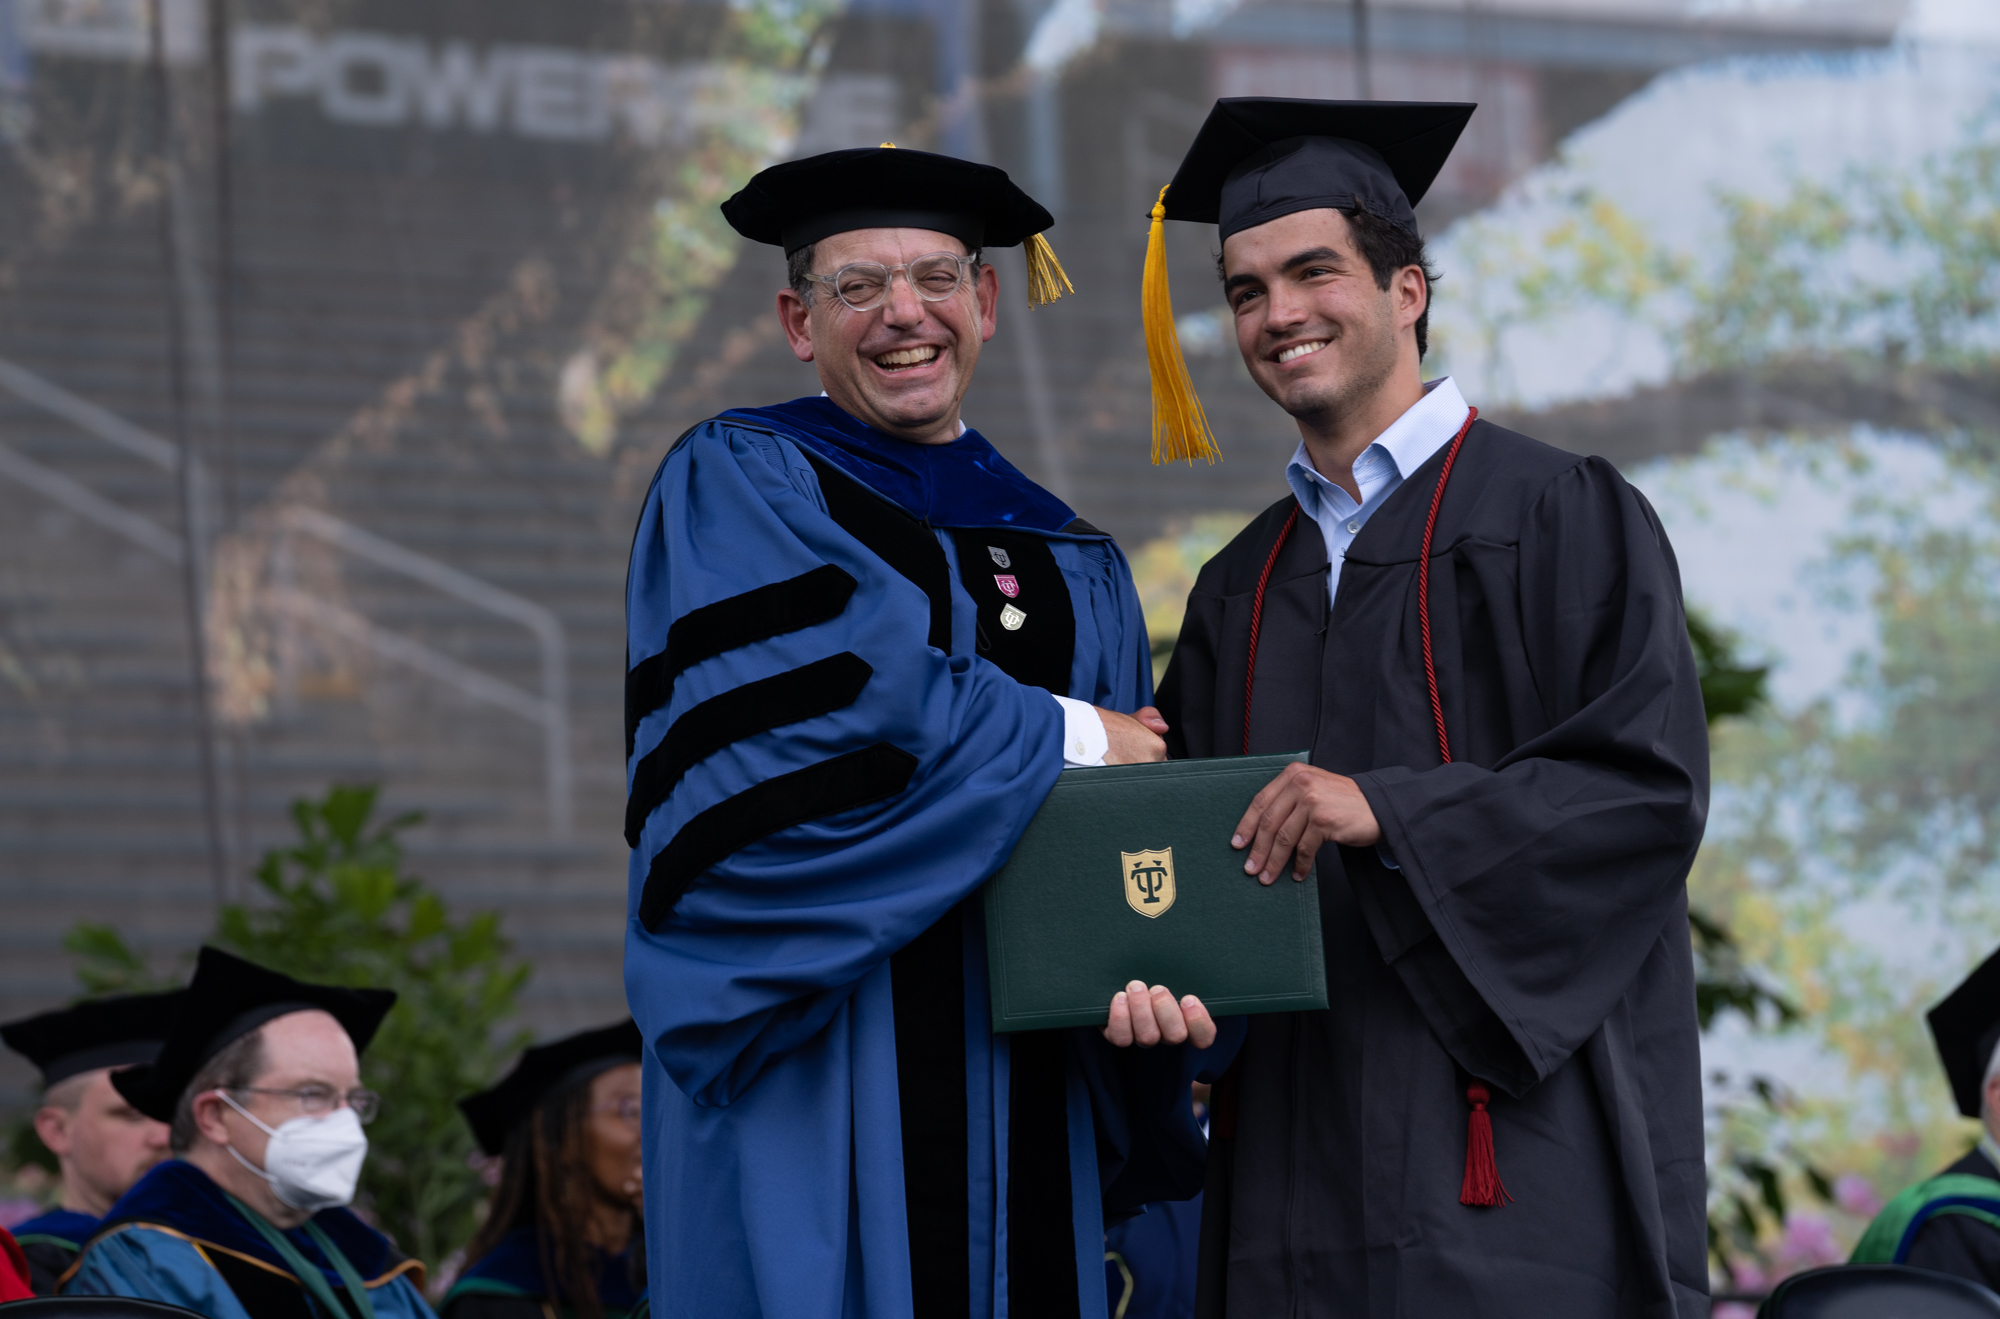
(1133, 875)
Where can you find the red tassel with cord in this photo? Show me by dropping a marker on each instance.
(1482, 1174)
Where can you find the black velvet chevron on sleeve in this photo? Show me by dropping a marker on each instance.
(741, 620)
(859, 778)
(899, 540)
(756, 707)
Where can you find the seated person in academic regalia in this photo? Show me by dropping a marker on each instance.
(861, 648)
(260, 1081)
(1951, 1223)
(562, 1232)
(101, 1142)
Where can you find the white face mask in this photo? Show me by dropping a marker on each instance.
(311, 1163)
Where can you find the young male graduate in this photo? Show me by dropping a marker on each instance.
(1481, 641)
(100, 1141)
(1951, 1222)
(862, 647)
(260, 1082)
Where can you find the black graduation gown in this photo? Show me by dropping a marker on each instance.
(1958, 1243)
(1535, 938)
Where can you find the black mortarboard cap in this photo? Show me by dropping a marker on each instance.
(885, 187)
(227, 999)
(542, 1071)
(1260, 157)
(1966, 1026)
(101, 1032)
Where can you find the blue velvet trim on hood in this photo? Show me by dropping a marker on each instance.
(180, 1196)
(64, 1225)
(962, 484)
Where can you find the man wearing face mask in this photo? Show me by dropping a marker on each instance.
(260, 1081)
(102, 1143)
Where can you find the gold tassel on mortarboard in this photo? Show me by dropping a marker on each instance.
(1046, 278)
(1180, 428)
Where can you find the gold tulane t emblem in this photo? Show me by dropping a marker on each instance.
(1149, 881)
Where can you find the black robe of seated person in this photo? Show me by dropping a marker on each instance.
(1960, 1244)
(1535, 938)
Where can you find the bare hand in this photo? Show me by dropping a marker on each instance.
(1296, 813)
(1144, 1017)
(1135, 738)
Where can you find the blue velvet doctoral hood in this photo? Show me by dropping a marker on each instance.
(514, 1267)
(62, 1226)
(181, 1196)
(962, 484)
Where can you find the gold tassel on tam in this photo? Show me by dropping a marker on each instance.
(1046, 279)
(1180, 428)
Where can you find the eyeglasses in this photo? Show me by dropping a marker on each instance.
(627, 1109)
(864, 285)
(317, 1100)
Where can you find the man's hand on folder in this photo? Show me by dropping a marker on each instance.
(1145, 1017)
(1135, 738)
(1296, 813)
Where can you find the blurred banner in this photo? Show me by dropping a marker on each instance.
(339, 340)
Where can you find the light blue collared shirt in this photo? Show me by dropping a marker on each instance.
(1408, 444)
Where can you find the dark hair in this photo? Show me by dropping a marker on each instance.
(546, 1183)
(799, 265)
(235, 1066)
(1387, 248)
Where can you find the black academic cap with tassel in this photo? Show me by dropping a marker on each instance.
(1258, 158)
(886, 187)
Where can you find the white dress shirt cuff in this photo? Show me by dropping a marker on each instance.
(1084, 738)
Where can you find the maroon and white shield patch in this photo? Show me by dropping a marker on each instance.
(1009, 587)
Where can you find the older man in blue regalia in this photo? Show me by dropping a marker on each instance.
(260, 1082)
(862, 646)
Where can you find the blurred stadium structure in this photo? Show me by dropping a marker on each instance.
(339, 338)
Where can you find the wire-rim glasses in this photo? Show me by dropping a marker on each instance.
(319, 1100)
(864, 285)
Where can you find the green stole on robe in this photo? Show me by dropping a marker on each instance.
(1889, 1238)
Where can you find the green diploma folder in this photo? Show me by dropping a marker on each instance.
(1126, 873)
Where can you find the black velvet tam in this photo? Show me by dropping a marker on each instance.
(103, 1032)
(227, 999)
(803, 201)
(1966, 1026)
(542, 1070)
(1257, 158)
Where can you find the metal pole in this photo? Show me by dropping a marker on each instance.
(194, 520)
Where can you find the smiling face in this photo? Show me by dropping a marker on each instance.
(904, 366)
(1319, 335)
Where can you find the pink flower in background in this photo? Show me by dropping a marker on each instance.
(18, 1210)
(1749, 1278)
(1807, 1243)
(1734, 1310)
(1855, 1194)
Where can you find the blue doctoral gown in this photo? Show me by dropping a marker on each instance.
(174, 1238)
(842, 648)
